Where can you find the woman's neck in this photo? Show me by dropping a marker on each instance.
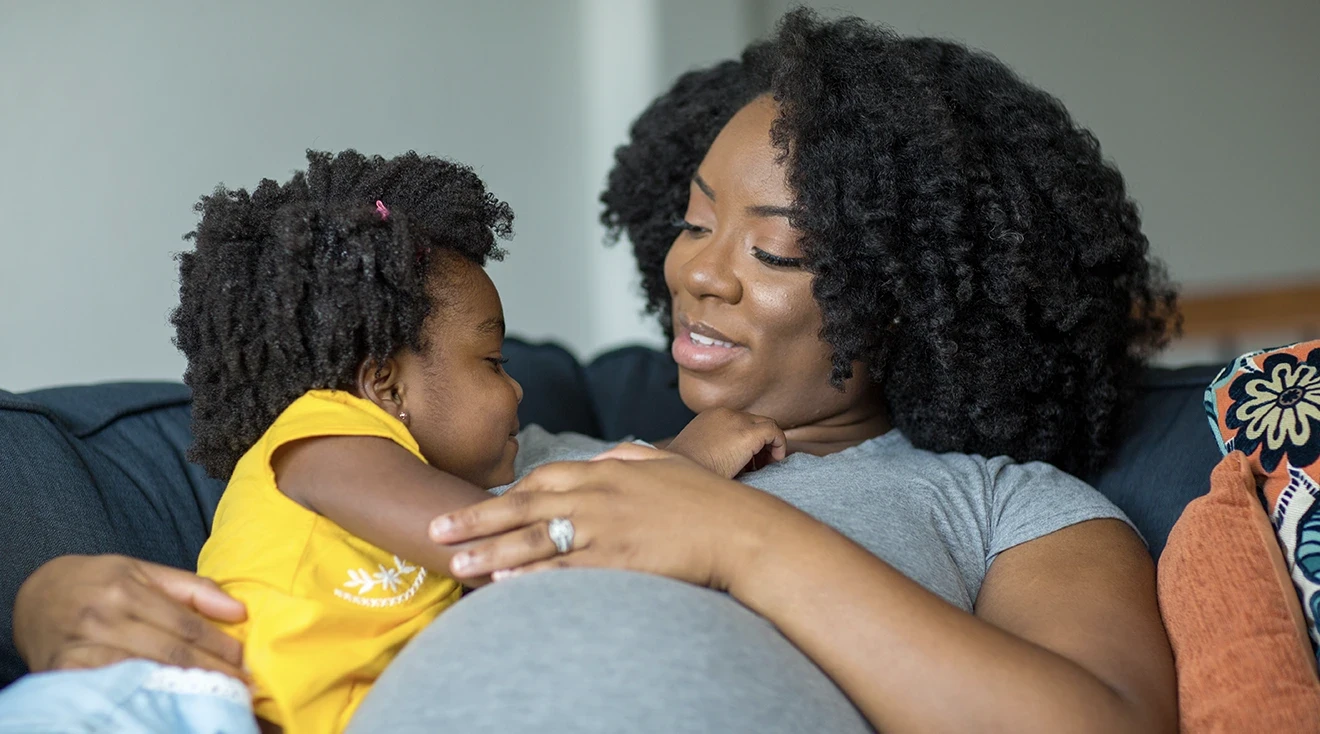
(839, 432)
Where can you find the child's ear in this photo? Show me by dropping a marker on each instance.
(381, 383)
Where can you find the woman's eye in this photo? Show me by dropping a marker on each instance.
(776, 260)
(689, 227)
(498, 362)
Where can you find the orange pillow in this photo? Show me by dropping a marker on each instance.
(1239, 637)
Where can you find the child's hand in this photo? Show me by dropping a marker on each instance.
(729, 442)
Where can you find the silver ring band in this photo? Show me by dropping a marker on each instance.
(561, 534)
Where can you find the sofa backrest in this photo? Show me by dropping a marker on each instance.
(96, 469)
(101, 468)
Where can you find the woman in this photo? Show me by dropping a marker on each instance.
(892, 247)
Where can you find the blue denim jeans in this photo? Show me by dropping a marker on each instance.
(132, 697)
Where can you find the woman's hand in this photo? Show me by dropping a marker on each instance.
(632, 508)
(92, 611)
(729, 442)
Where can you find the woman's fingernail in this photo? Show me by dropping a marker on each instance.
(501, 575)
(461, 561)
(441, 525)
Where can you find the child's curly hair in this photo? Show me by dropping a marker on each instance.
(291, 287)
(969, 242)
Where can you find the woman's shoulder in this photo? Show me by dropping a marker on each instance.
(964, 469)
(537, 446)
(1022, 501)
(1013, 501)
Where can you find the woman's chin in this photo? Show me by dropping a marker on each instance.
(700, 392)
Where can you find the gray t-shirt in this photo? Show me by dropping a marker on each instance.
(940, 519)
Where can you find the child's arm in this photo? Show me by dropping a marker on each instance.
(729, 442)
(376, 490)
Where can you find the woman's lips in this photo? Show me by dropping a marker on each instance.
(702, 349)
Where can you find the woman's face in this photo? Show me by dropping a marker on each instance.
(746, 328)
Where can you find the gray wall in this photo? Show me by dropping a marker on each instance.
(118, 115)
(1211, 108)
(114, 117)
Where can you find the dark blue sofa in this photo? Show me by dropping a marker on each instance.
(101, 468)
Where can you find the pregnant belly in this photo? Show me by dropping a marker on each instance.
(594, 650)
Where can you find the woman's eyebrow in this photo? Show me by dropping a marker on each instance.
(705, 187)
(757, 210)
(767, 210)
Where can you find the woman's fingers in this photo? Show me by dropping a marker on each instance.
(152, 606)
(199, 593)
(138, 639)
(88, 656)
(522, 505)
(568, 560)
(517, 548)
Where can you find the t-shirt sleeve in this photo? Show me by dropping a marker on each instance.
(333, 413)
(1029, 501)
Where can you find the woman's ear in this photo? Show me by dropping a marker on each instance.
(381, 383)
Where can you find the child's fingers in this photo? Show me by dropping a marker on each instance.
(774, 442)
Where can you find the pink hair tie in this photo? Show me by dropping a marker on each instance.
(382, 209)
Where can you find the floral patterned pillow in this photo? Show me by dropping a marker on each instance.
(1266, 404)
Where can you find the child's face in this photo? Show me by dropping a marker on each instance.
(462, 405)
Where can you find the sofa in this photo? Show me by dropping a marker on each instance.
(102, 468)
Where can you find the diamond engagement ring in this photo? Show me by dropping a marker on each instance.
(561, 534)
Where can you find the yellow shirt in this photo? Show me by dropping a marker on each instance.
(327, 611)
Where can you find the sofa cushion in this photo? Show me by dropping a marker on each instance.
(555, 389)
(1165, 455)
(1238, 634)
(1266, 405)
(634, 394)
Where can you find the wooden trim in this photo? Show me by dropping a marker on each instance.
(1272, 309)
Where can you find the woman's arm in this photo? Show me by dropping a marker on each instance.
(1067, 635)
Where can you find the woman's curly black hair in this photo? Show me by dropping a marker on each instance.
(934, 187)
(291, 287)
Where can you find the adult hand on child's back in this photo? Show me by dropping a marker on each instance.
(729, 442)
(92, 611)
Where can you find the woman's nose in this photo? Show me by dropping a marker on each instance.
(709, 270)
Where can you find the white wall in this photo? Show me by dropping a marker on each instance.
(1210, 108)
(115, 117)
